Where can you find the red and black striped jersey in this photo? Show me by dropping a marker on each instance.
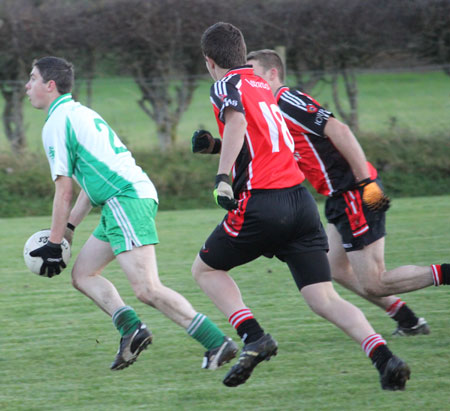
(322, 164)
(266, 159)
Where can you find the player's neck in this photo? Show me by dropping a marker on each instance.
(220, 72)
(275, 85)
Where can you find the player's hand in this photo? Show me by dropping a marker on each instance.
(223, 193)
(53, 262)
(373, 195)
(203, 142)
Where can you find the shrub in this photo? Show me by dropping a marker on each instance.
(409, 166)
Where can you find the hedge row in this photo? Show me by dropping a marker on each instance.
(409, 166)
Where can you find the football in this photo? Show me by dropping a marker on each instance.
(37, 240)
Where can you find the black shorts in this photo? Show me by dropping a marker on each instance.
(357, 225)
(281, 223)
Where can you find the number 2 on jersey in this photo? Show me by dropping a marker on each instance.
(116, 144)
(272, 116)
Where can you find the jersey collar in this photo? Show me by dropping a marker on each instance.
(280, 91)
(247, 69)
(63, 98)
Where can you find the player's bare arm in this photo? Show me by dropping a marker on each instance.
(233, 139)
(347, 144)
(61, 208)
(81, 209)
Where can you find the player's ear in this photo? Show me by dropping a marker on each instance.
(273, 74)
(210, 62)
(51, 85)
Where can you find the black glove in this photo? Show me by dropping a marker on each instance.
(373, 195)
(53, 262)
(203, 142)
(223, 193)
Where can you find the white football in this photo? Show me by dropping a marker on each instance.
(37, 240)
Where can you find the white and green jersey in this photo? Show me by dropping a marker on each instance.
(79, 143)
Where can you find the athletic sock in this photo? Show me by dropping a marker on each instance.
(126, 320)
(401, 313)
(445, 269)
(380, 357)
(205, 332)
(376, 349)
(246, 326)
(441, 274)
(437, 274)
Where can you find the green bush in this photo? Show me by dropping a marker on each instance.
(25, 186)
(409, 166)
(183, 180)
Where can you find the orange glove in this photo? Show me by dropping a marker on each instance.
(373, 196)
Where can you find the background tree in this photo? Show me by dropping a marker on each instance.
(20, 30)
(73, 32)
(330, 40)
(158, 44)
(432, 32)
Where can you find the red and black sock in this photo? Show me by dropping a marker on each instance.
(441, 274)
(380, 357)
(376, 349)
(246, 326)
(401, 313)
(445, 268)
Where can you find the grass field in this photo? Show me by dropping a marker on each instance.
(418, 101)
(56, 345)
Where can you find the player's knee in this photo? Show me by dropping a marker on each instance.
(318, 309)
(148, 296)
(375, 288)
(321, 304)
(196, 270)
(339, 274)
(77, 281)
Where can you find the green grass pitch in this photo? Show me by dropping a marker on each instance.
(56, 345)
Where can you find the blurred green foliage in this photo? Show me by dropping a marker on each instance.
(409, 166)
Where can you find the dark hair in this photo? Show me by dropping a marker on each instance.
(225, 44)
(268, 59)
(58, 70)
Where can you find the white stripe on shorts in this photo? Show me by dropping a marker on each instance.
(124, 224)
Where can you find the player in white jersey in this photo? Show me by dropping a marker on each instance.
(79, 144)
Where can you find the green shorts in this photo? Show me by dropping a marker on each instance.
(127, 222)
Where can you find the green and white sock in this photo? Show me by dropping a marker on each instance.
(205, 332)
(126, 320)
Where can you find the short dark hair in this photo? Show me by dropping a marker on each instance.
(57, 69)
(224, 43)
(269, 59)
